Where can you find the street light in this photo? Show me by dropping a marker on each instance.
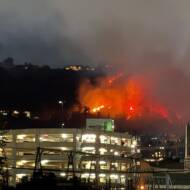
(61, 102)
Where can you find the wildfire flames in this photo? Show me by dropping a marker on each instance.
(122, 96)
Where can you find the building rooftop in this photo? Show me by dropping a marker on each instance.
(102, 124)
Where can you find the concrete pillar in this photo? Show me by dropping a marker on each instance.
(14, 134)
(74, 149)
(187, 144)
(97, 146)
(167, 182)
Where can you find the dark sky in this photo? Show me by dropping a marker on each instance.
(58, 32)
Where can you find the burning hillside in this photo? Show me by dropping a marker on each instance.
(121, 95)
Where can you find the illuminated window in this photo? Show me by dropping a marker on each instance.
(114, 176)
(123, 166)
(51, 164)
(62, 174)
(21, 162)
(8, 152)
(88, 164)
(78, 138)
(102, 151)
(44, 162)
(115, 141)
(134, 143)
(53, 152)
(25, 138)
(15, 112)
(114, 166)
(28, 114)
(116, 153)
(104, 165)
(88, 175)
(102, 178)
(7, 138)
(104, 139)
(65, 148)
(89, 149)
(25, 153)
(25, 163)
(67, 137)
(20, 176)
(56, 137)
(85, 175)
(89, 138)
(123, 179)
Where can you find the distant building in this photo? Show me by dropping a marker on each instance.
(78, 68)
(100, 123)
(106, 158)
(187, 147)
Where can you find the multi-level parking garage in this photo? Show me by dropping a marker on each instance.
(187, 148)
(102, 153)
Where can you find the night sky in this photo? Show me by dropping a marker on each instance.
(62, 32)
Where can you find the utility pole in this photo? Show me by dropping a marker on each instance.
(38, 172)
(70, 165)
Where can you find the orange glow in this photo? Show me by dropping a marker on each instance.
(142, 187)
(97, 109)
(121, 96)
(131, 108)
